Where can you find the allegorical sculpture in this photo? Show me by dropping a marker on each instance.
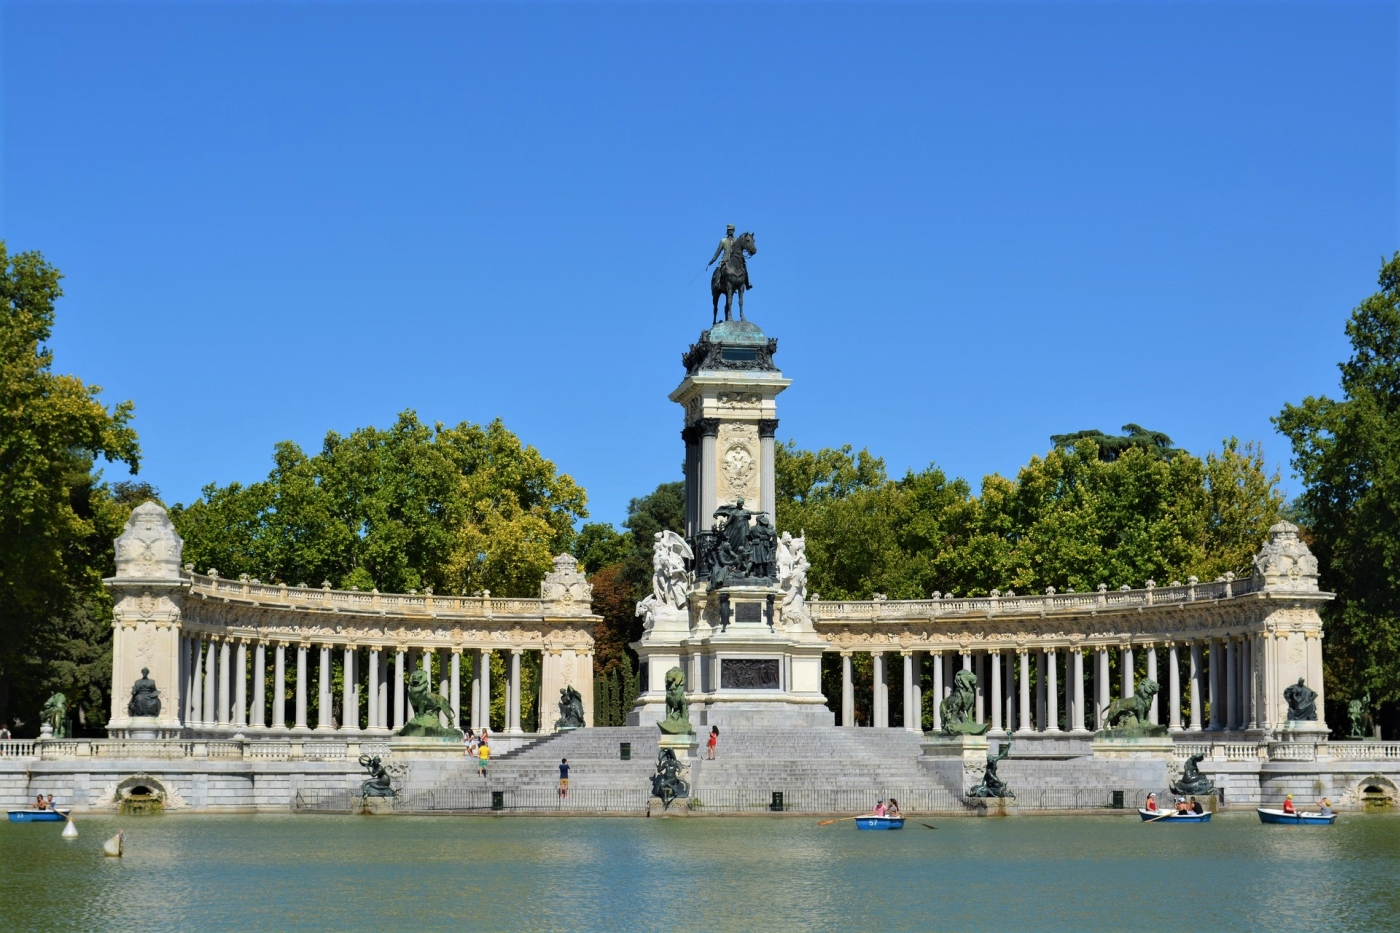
(956, 709)
(745, 550)
(1192, 780)
(732, 276)
(792, 574)
(1302, 702)
(670, 580)
(1127, 717)
(667, 783)
(426, 707)
(991, 785)
(378, 784)
(677, 721)
(570, 710)
(1359, 712)
(55, 715)
(145, 698)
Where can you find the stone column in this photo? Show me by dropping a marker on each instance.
(1216, 663)
(399, 717)
(1052, 691)
(1173, 688)
(709, 431)
(1125, 674)
(258, 715)
(1197, 687)
(937, 690)
(445, 687)
(372, 696)
(995, 657)
(1232, 685)
(878, 712)
(225, 665)
(1040, 690)
(966, 663)
(1247, 679)
(847, 691)
(767, 490)
(1078, 656)
(196, 705)
(979, 695)
(301, 686)
(486, 687)
(383, 716)
(1027, 724)
(908, 657)
(476, 690)
(914, 721)
(240, 693)
(349, 695)
(515, 689)
(279, 686)
(456, 687)
(1152, 676)
(1008, 689)
(1102, 688)
(323, 692)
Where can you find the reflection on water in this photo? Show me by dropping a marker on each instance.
(426, 874)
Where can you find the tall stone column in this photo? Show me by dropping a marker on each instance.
(515, 689)
(848, 699)
(914, 721)
(456, 688)
(349, 694)
(1173, 688)
(1040, 690)
(908, 657)
(383, 700)
(240, 693)
(709, 433)
(979, 694)
(225, 665)
(1247, 650)
(1008, 690)
(1197, 687)
(877, 708)
(1027, 723)
(211, 666)
(258, 715)
(486, 688)
(995, 657)
(194, 691)
(1217, 721)
(1125, 674)
(1052, 691)
(937, 690)
(1152, 676)
(476, 690)
(302, 685)
(1078, 656)
(767, 489)
(445, 686)
(323, 694)
(279, 686)
(372, 698)
(1232, 685)
(1102, 688)
(399, 710)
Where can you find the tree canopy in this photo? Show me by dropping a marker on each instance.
(1113, 446)
(1347, 452)
(459, 510)
(57, 517)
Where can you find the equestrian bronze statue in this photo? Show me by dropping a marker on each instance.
(732, 276)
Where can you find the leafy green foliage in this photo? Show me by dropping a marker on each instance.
(1113, 446)
(457, 509)
(57, 520)
(1347, 453)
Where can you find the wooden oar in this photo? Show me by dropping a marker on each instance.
(924, 825)
(1165, 814)
(841, 820)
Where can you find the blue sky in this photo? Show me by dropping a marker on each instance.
(978, 224)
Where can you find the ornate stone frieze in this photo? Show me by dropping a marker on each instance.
(706, 354)
(738, 463)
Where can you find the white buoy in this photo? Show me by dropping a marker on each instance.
(71, 830)
(113, 846)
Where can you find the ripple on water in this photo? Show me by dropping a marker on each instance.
(326, 873)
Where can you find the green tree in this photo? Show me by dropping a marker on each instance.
(1347, 452)
(56, 518)
(457, 509)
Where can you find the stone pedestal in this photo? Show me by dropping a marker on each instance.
(424, 746)
(1155, 746)
(679, 807)
(685, 746)
(377, 805)
(958, 760)
(142, 727)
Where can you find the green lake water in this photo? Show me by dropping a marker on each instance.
(426, 874)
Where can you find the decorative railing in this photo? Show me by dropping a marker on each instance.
(18, 748)
(324, 598)
(1292, 751)
(274, 750)
(1365, 751)
(999, 604)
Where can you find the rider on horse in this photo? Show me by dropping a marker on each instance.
(722, 250)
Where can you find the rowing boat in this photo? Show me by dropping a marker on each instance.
(1269, 815)
(879, 822)
(1162, 816)
(32, 815)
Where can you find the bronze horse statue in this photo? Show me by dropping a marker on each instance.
(732, 277)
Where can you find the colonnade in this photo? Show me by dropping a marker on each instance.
(215, 690)
(1066, 689)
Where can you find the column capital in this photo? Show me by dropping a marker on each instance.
(488, 651)
(457, 650)
(767, 427)
(845, 652)
(906, 652)
(517, 651)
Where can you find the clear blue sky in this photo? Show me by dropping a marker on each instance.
(978, 224)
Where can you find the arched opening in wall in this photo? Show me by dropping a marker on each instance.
(140, 794)
(1377, 793)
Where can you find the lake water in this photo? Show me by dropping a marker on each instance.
(427, 874)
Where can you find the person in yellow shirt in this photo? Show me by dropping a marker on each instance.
(483, 756)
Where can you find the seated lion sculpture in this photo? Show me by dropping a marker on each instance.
(1129, 711)
(426, 707)
(956, 709)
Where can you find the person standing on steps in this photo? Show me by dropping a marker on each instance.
(483, 755)
(564, 778)
(712, 743)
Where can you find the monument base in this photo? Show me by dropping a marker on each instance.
(685, 745)
(376, 804)
(1114, 747)
(427, 746)
(679, 807)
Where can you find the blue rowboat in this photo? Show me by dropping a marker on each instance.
(1157, 816)
(1268, 815)
(879, 822)
(39, 816)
